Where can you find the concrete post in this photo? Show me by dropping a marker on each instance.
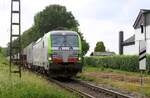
(121, 38)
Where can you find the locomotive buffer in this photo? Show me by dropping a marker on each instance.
(15, 30)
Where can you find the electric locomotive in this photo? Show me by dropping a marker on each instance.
(59, 53)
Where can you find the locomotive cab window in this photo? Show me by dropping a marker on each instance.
(65, 41)
(57, 40)
(72, 40)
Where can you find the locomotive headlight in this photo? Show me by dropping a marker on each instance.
(49, 58)
(79, 58)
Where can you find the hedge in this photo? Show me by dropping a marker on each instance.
(127, 63)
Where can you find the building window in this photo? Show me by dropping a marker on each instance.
(142, 29)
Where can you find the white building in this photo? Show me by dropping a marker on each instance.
(142, 31)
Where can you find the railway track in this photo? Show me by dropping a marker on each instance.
(63, 85)
(86, 90)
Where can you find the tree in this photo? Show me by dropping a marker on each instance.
(3, 51)
(100, 47)
(85, 46)
(55, 16)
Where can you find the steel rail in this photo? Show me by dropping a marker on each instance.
(80, 93)
(114, 94)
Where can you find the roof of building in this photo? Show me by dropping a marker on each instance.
(142, 11)
(129, 41)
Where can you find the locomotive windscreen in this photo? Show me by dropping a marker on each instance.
(65, 41)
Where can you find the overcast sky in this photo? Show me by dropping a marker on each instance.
(100, 20)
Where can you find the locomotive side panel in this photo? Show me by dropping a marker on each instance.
(37, 53)
(40, 53)
(45, 53)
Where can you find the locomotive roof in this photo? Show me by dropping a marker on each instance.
(62, 32)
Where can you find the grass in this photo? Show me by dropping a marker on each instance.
(116, 79)
(29, 86)
(102, 69)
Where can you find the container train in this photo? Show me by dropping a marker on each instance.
(58, 53)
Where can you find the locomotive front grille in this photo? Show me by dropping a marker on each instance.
(65, 56)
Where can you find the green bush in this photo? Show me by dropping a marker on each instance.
(127, 63)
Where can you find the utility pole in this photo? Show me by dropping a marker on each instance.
(15, 34)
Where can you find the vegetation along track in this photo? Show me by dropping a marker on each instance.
(86, 90)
